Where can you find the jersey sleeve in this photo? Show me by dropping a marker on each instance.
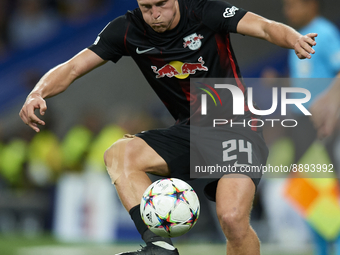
(109, 44)
(222, 16)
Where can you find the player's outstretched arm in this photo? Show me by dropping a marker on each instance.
(326, 110)
(54, 82)
(280, 34)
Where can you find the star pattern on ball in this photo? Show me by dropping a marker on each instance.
(165, 222)
(193, 218)
(179, 195)
(149, 199)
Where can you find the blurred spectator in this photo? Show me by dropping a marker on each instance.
(13, 158)
(77, 143)
(32, 23)
(44, 159)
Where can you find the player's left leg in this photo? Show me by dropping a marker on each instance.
(234, 199)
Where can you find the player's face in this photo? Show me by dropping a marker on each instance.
(299, 12)
(160, 15)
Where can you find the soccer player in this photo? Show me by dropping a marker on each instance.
(156, 35)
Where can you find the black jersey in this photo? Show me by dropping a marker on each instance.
(198, 47)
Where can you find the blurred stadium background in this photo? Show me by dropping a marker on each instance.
(55, 195)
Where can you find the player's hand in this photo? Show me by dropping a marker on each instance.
(325, 114)
(34, 101)
(304, 46)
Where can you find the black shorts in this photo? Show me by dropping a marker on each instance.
(185, 154)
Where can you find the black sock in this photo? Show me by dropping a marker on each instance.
(137, 219)
(147, 234)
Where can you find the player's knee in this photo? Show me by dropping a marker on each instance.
(114, 159)
(109, 155)
(132, 154)
(122, 157)
(234, 225)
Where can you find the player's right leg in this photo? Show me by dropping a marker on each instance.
(127, 161)
(234, 199)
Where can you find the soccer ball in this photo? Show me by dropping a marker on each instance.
(170, 207)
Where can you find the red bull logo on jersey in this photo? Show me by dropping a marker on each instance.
(179, 69)
(193, 41)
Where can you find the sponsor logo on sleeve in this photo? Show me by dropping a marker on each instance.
(230, 12)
